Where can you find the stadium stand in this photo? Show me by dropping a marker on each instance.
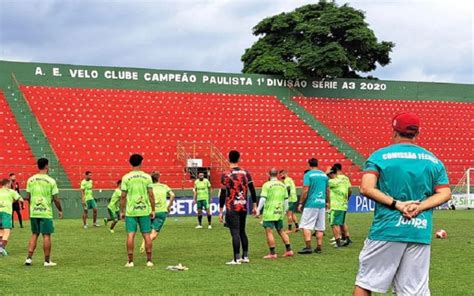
(97, 129)
(447, 127)
(16, 154)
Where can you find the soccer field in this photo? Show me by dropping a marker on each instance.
(92, 261)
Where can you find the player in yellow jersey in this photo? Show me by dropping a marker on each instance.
(202, 199)
(161, 192)
(137, 205)
(292, 200)
(88, 201)
(114, 207)
(42, 191)
(7, 198)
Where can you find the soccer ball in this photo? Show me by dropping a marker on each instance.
(441, 234)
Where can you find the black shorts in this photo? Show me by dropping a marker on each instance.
(236, 220)
(16, 206)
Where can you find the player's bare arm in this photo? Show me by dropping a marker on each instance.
(172, 196)
(57, 203)
(441, 196)
(123, 201)
(151, 197)
(369, 189)
(304, 195)
(83, 196)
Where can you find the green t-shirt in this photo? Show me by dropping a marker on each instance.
(114, 203)
(7, 197)
(136, 185)
(406, 172)
(291, 185)
(317, 181)
(87, 187)
(42, 188)
(161, 192)
(275, 193)
(202, 189)
(339, 190)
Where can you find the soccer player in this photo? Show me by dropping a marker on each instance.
(406, 182)
(202, 198)
(315, 199)
(236, 183)
(338, 188)
(7, 198)
(137, 196)
(114, 207)
(42, 191)
(17, 204)
(161, 192)
(345, 238)
(292, 200)
(88, 201)
(274, 201)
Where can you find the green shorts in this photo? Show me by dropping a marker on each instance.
(337, 217)
(278, 225)
(293, 206)
(114, 215)
(132, 223)
(42, 225)
(90, 204)
(159, 221)
(202, 204)
(5, 220)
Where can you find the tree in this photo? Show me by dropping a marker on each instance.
(321, 40)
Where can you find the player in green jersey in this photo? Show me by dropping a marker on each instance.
(161, 192)
(292, 200)
(87, 199)
(137, 205)
(345, 236)
(114, 207)
(406, 182)
(274, 202)
(42, 191)
(338, 189)
(202, 199)
(7, 198)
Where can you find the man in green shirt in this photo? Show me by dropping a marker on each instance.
(292, 200)
(88, 201)
(161, 192)
(345, 236)
(137, 205)
(7, 198)
(42, 191)
(338, 188)
(114, 207)
(274, 202)
(202, 199)
(406, 182)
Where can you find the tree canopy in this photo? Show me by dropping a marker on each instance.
(321, 40)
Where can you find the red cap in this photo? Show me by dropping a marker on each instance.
(406, 122)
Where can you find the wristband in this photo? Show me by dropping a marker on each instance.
(393, 206)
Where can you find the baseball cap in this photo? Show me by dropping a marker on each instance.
(406, 122)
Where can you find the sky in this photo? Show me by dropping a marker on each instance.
(434, 39)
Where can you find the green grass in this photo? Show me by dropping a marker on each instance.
(91, 261)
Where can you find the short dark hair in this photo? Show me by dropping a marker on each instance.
(337, 166)
(42, 163)
(407, 135)
(11, 174)
(273, 172)
(4, 182)
(155, 176)
(119, 182)
(136, 160)
(234, 156)
(313, 162)
(88, 172)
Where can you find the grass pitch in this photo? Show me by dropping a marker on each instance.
(92, 261)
